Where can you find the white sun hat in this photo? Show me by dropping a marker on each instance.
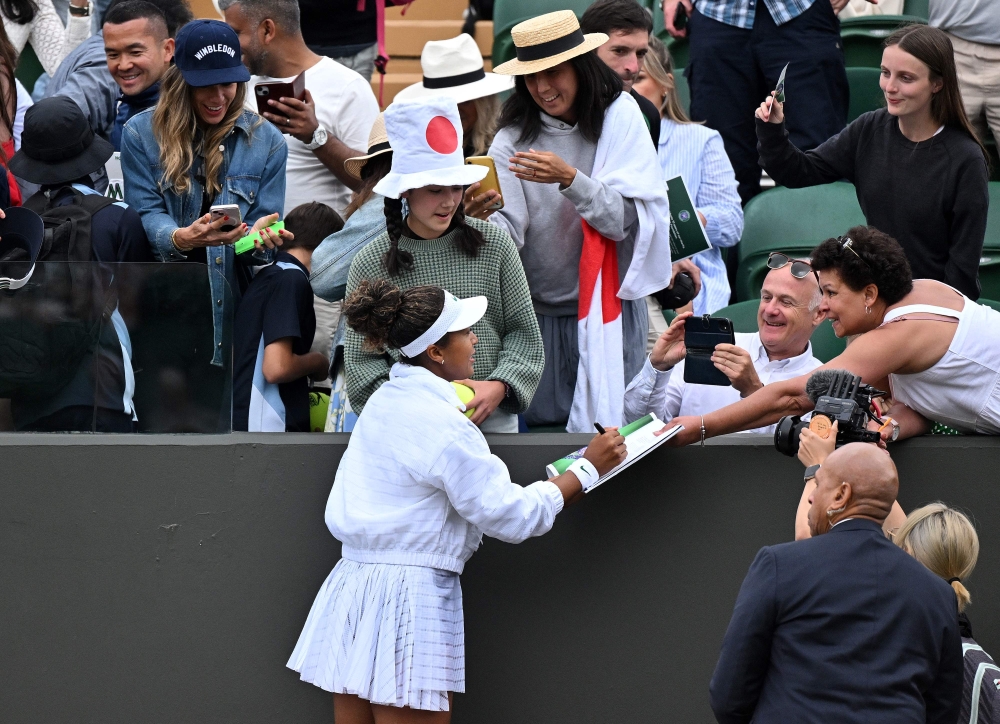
(454, 67)
(456, 314)
(426, 140)
(546, 41)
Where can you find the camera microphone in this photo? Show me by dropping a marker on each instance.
(832, 383)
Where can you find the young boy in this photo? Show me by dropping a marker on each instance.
(274, 329)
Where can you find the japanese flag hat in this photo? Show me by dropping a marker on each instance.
(426, 139)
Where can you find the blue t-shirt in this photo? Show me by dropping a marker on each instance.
(277, 304)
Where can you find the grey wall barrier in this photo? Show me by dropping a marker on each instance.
(165, 578)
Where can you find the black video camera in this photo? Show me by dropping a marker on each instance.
(839, 396)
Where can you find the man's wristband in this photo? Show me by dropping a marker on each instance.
(79, 12)
(585, 472)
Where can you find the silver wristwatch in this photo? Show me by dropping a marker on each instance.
(319, 138)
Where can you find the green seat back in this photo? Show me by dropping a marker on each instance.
(866, 95)
(862, 37)
(793, 221)
(990, 303)
(825, 344)
(989, 263)
(683, 90)
(917, 8)
(992, 240)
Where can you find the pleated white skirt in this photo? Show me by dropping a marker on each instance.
(390, 634)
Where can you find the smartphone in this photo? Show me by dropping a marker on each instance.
(230, 210)
(701, 334)
(273, 90)
(680, 17)
(491, 182)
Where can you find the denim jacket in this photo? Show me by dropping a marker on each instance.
(331, 261)
(254, 169)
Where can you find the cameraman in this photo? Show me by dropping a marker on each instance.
(813, 451)
(779, 350)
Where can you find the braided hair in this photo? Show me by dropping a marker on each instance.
(396, 260)
(387, 316)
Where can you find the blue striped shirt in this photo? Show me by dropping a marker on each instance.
(741, 12)
(696, 153)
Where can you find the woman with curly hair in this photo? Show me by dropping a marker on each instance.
(434, 242)
(933, 349)
(414, 493)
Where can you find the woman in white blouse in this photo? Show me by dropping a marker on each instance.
(414, 493)
(695, 152)
(36, 21)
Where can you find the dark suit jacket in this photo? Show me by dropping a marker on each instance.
(844, 627)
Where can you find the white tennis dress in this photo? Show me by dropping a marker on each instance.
(962, 389)
(415, 491)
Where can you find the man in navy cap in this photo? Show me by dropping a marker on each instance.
(59, 151)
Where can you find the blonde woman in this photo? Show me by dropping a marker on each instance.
(199, 147)
(945, 541)
(695, 152)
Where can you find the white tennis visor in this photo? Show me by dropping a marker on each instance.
(457, 314)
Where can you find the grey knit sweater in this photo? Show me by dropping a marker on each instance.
(510, 345)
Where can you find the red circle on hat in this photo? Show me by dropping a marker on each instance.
(441, 135)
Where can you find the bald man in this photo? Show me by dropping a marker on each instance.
(843, 627)
(779, 350)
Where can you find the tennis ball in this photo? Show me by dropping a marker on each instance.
(465, 394)
(319, 405)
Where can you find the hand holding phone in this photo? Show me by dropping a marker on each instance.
(490, 183)
(273, 90)
(222, 211)
(701, 335)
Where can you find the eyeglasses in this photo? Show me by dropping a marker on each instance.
(800, 268)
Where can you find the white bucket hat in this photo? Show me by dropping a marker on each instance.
(454, 68)
(546, 41)
(426, 140)
(455, 315)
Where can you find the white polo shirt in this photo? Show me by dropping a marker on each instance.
(669, 396)
(346, 108)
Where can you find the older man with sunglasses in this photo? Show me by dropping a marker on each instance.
(789, 311)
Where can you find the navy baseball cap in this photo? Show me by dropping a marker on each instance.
(207, 52)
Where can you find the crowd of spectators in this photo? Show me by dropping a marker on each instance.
(263, 131)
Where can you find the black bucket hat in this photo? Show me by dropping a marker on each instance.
(57, 144)
(21, 235)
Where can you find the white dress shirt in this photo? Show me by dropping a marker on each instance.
(668, 395)
(418, 485)
(696, 153)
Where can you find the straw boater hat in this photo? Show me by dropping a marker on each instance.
(454, 68)
(378, 143)
(547, 41)
(426, 140)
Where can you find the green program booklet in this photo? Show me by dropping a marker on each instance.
(687, 237)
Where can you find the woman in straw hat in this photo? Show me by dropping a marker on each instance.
(567, 152)
(945, 541)
(432, 241)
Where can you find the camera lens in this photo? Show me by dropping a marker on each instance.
(786, 435)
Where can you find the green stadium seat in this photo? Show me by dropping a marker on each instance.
(863, 37)
(917, 8)
(866, 94)
(989, 263)
(743, 315)
(990, 303)
(793, 221)
(683, 89)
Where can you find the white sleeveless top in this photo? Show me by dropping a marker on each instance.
(962, 389)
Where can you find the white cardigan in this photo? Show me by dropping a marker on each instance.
(418, 484)
(51, 40)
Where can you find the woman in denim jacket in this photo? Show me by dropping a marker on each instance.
(199, 148)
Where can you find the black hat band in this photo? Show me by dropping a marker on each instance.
(384, 146)
(450, 81)
(551, 47)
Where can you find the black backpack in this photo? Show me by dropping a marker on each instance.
(48, 325)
